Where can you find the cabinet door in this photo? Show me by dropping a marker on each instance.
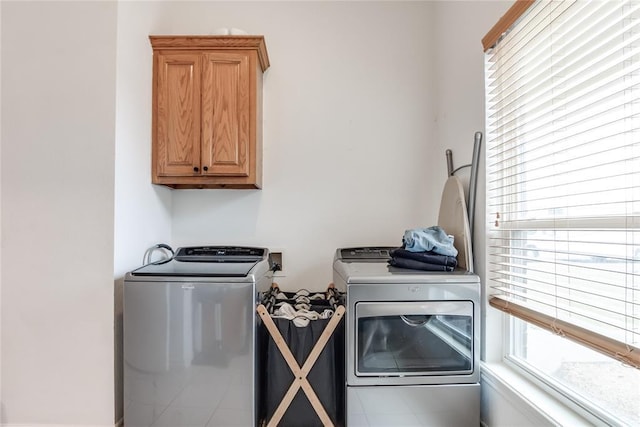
(177, 119)
(226, 114)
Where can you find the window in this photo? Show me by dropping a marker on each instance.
(563, 182)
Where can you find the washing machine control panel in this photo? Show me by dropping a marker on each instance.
(220, 254)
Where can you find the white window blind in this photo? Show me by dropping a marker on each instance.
(563, 172)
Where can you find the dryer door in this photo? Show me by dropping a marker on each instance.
(413, 339)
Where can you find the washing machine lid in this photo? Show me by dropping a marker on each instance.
(207, 261)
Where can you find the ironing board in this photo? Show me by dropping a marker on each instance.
(453, 218)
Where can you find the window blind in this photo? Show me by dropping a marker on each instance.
(563, 172)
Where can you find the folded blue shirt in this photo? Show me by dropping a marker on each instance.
(429, 239)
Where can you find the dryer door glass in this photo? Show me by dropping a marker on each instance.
(414, 338)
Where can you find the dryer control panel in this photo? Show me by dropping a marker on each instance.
(367, 253)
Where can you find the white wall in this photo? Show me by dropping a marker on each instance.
(142, 210)
(58, 115)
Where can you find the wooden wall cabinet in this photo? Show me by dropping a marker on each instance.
(207, 111)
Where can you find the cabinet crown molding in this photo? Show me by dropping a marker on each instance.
(241, 42)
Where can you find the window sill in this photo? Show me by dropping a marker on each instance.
(536, 405)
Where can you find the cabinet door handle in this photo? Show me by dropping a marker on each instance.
(195, 169)
(205, 168)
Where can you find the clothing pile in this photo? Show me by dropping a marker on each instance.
(301, 307)
(428, 249)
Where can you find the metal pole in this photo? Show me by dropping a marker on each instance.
(449, 155)
(473, 181)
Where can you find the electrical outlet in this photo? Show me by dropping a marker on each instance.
(276, 257)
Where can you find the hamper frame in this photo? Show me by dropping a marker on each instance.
(300, 373)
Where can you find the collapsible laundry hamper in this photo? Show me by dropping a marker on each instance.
(302, 367)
